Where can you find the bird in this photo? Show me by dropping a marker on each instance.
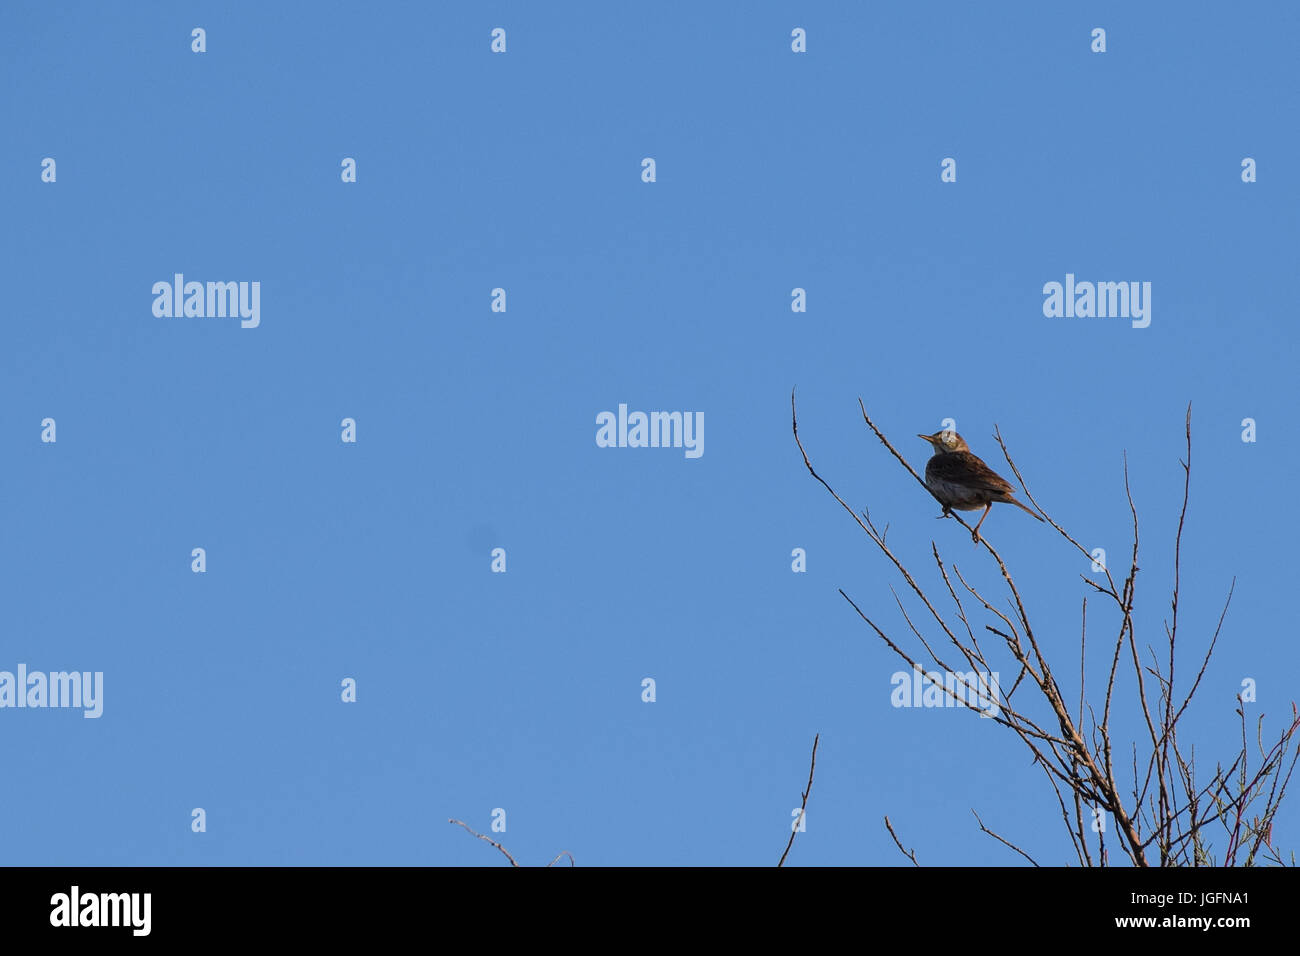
(960, 479)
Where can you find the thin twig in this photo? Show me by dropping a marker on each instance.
(474, 832)
(910, 854)
(794, 827)
(1002, 840)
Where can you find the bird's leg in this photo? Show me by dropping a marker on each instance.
(975, 535)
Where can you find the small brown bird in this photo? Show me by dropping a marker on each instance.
(961, 480)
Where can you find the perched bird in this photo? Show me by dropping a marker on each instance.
(961, 480)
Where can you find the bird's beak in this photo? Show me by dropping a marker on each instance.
(924, 438)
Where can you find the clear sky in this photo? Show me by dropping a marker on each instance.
(476, 429)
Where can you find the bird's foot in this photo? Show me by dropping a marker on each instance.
(975, 536)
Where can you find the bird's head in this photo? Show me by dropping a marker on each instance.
(946, 441)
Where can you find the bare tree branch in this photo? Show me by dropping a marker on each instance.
(1169, 808)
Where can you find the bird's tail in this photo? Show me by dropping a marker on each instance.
(1012, 501)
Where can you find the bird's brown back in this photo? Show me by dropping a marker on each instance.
(964, 468)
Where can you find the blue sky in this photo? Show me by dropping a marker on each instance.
(476, 430)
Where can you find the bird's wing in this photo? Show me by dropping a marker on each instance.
(963, 468)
